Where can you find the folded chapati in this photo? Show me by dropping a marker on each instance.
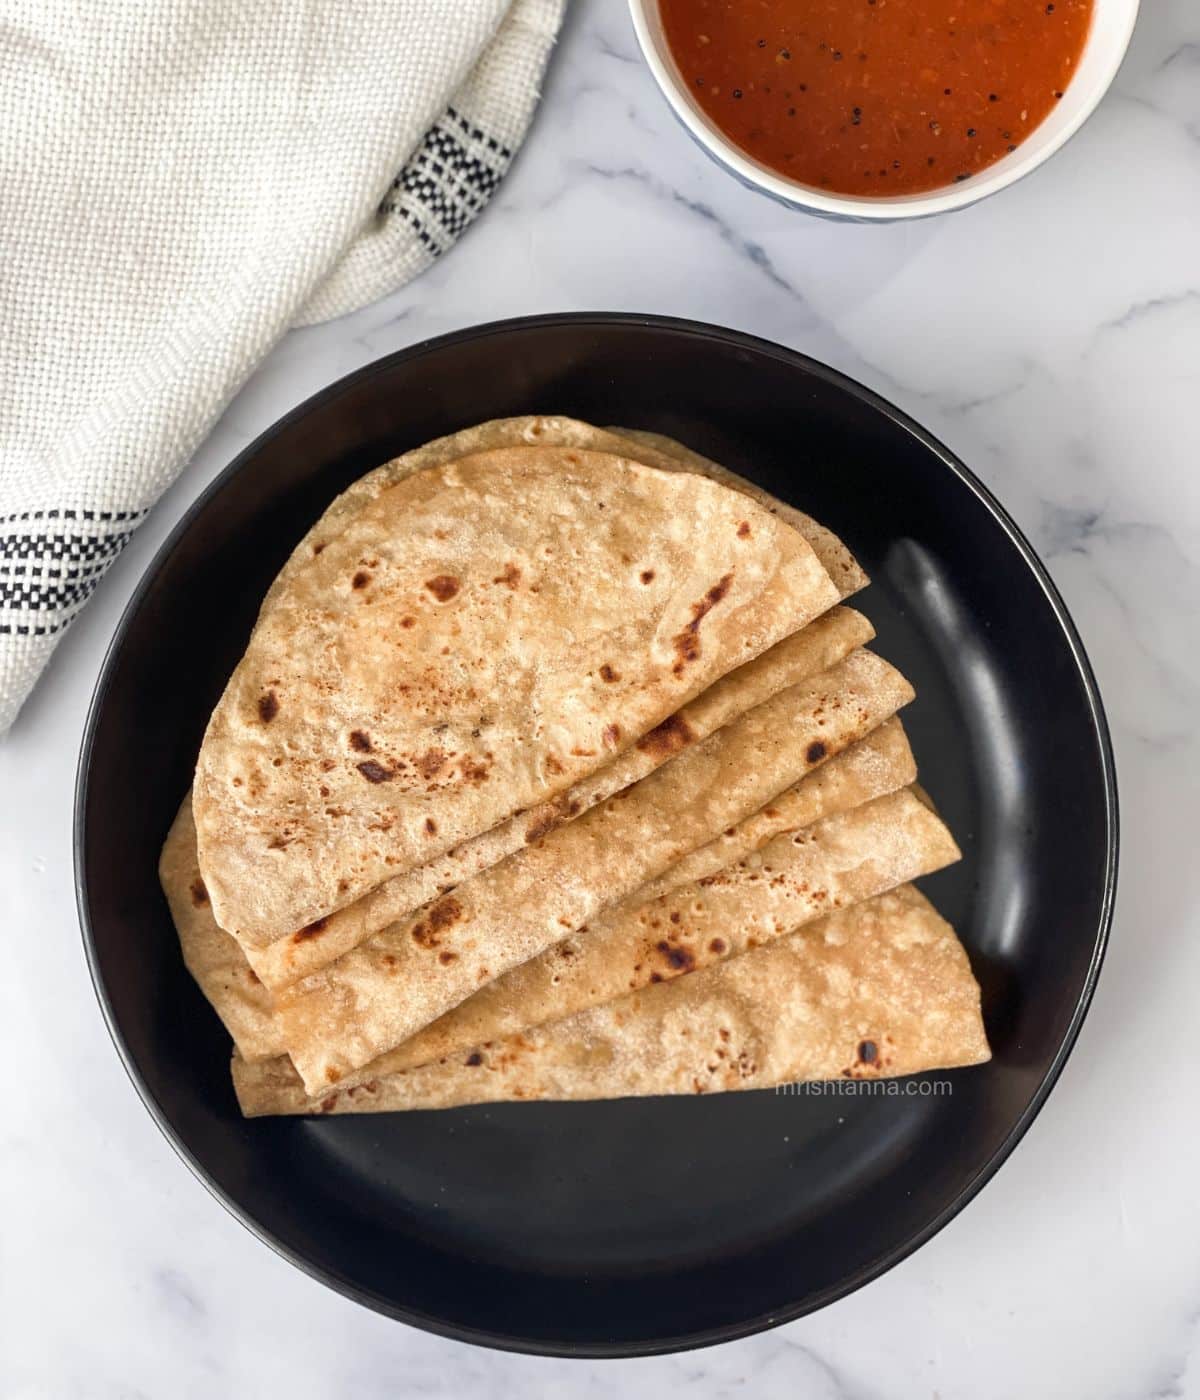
(878, 764)
(375, 997)
(818, 646)
(549, 432)
(212, 956)
(880, 989)
(477, 638)
(837, 861)
(233, 978)
(654, 934)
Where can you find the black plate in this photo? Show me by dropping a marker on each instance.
(637, 1226)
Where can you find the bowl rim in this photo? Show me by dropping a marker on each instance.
(867, 208)
(710, 1336)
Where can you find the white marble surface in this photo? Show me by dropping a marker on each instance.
(1052, 338)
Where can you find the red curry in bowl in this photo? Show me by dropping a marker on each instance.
(877, 97)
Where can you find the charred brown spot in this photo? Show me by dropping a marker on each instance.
(443, 587)
(327, 1105)
(647, 575)
(360, 579)
(687, 643)
(612, 735)
(553, 765)
(375, 772)
(545, 821)
(441, 915)
(718, 945)
(474, 1058)
(510, 577)
(473, 770)
(313, 930)
(682, 959)
(447, 958)
(744, 530)
(360, 741)
(268, 706)
(608, 674)
(431, 826)
(408, 620)
(656, 977)
(868, 1052)
(667, 738)
(815, 752)
(199, 892)
(318, 547)
(675, 917)
(444, 913)
(431, 763)
(332, 1075)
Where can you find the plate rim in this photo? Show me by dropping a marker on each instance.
(708, 1336)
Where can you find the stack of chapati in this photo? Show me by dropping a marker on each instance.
(556, 768)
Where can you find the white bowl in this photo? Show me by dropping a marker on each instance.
(1112, 26)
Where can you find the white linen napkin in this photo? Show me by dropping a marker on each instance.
(180, 182)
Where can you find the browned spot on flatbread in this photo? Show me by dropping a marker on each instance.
(443, 586)
(607, 673)
(313, 930)
(408, 620)
(442, 914)
(868, 1052)
(332, 1074)
(647, 575)
(667, 738)
(718, 945)
(680, 958)
(268, 706)
(510, 577)
(687, 642)
(430, 763)
(474, 1058)
(360, 579)
(318, 547)
(612, 735)
(553, 765)
(375, 772)
(473, 770)
(546, 820)
(744, 530)
(431, 826)
(447, 958)
(199, 892)
(360, 740)
(327, 1105)
(815, 752)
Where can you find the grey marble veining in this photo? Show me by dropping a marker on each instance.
(1051, 337)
